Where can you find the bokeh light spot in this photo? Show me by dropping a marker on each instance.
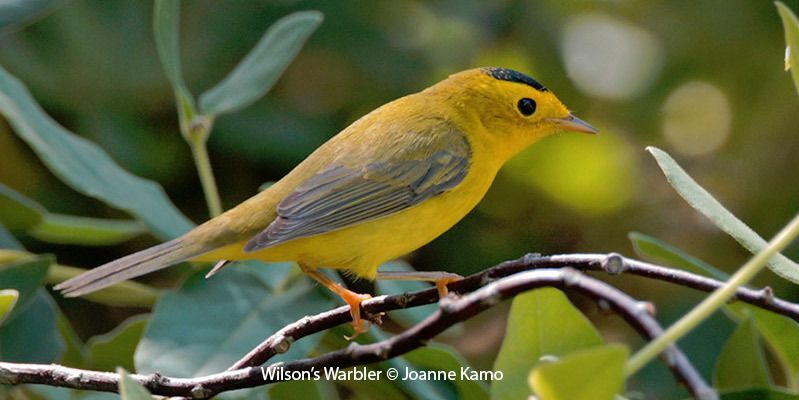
(696, 118)
(609, 57)
(591, 174)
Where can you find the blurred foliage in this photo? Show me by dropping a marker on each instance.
(742, 348)
(702, 80)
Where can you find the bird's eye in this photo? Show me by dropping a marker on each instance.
(526, 106)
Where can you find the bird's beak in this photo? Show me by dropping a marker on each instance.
(574, 124)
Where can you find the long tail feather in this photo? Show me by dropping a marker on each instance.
(136, 264)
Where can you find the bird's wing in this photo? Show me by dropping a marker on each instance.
(340, 196)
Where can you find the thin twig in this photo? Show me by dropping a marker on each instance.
(612, 263)
(452, 311)
(199, 152)
(616, 264)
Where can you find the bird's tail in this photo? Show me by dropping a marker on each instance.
(131, 266)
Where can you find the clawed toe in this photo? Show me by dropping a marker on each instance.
(441, 284)
(354, 300)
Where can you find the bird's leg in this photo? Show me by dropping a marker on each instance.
(352, 299)
(440, 278)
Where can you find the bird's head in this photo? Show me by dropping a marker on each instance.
(514, 109)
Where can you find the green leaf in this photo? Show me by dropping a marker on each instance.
(208, 324)
(84, 166)
(8, 299)
(369, 390)
(166, 26)
(260, 69)
(439, 357)
(305, 390)
(780, 333)
(84, 231)
(541, 323)
(98, 396)
(122, 294)
(73, 355)
(759, 394)
(18, 212)
(26, 275)
(417, 388)
(115, 349)
(384, 389)
(11, 256)
(129, 389)
(656, 250)
(791, 25)
(43, 392)
(703, 202)
(22, 213)
(591, 374)
(32, 336)
(742, 363)
(274, 275)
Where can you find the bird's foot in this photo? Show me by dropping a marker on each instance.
(440, 278)
(354, 300)
(441, 283)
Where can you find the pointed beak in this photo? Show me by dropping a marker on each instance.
(574, 124)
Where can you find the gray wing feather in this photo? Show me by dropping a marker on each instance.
(340, 196)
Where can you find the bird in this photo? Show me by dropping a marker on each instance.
(386, 185)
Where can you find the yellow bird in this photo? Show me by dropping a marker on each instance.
(386, 185)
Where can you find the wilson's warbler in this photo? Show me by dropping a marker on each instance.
(389, 183)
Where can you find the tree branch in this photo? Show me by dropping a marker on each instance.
(613, 264)
(489, 287)
(452, 310)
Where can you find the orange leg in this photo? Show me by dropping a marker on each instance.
(351, 298)
(440, 278)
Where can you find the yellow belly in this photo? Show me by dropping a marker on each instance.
(361, 248)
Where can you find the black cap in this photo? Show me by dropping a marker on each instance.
(514, 76)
